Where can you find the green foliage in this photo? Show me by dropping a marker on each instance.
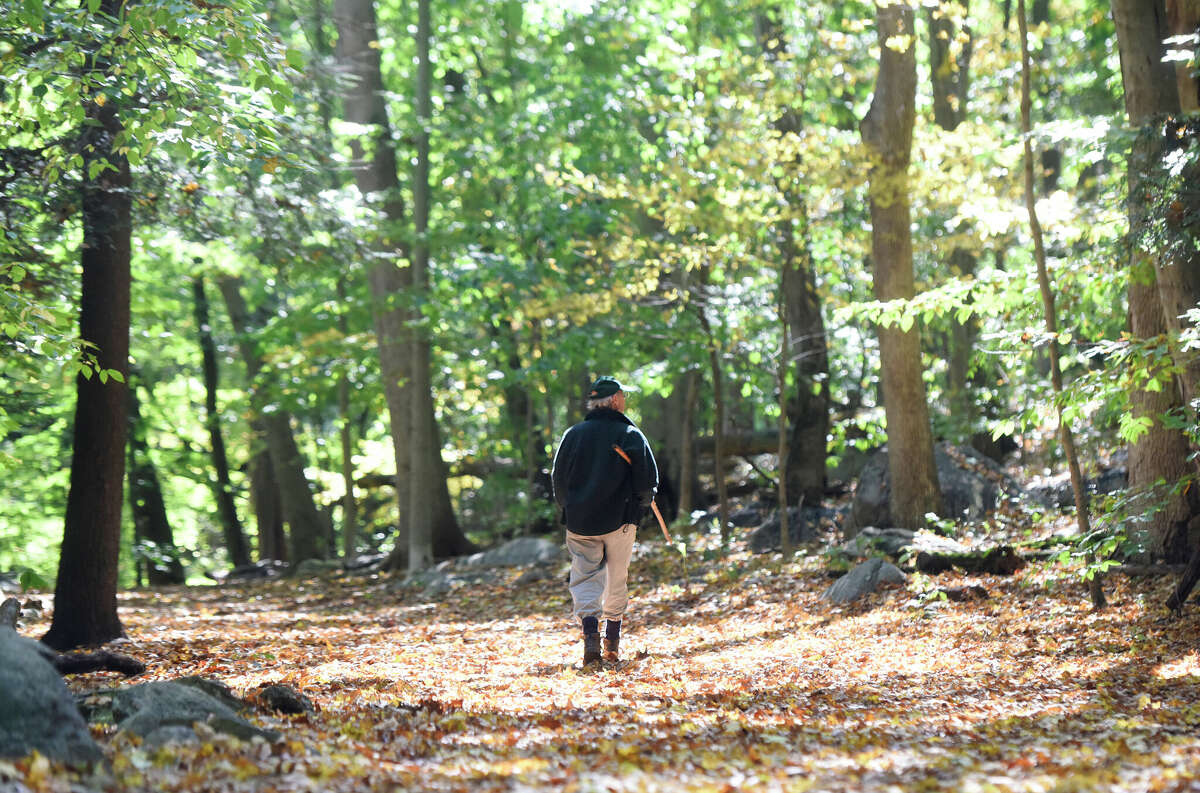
(613, 192)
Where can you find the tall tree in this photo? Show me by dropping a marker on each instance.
(950, 46)
(424, 444)
(887, 131)
(85, 594)
(375, 174)
(231, 525)
(265, 500)
(807, 353)
(151, 527)
(1159, 458)
(1082, 513)
(307, 529)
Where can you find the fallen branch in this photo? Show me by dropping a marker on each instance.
(75, 663)
(98, 661)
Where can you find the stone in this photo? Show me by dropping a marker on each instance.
(518, 552)
(870, 540)
(285, 699)
(37, 711)
(745, 518)
(863, 580)
(147, 707)
(972, 486)
(802, 524)
(1057, 493)
(309, 568)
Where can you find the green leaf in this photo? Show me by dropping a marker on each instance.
(16, 273)
(294, 59)
(31, 580)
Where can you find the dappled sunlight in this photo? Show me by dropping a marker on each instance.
(747, 681)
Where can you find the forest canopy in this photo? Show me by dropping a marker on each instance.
(367, 256)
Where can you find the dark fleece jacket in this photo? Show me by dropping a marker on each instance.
(596, 489)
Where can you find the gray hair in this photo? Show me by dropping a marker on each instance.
(603, 402)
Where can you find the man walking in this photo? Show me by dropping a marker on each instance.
(604, 479)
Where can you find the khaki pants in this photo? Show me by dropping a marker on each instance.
(599, 572)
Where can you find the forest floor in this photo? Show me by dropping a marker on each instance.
(745, 680)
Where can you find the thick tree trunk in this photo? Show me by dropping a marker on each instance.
(85, 594)
(808, 404)
(299, 510)
(887, 131)
(1183, 19)
(231, 526)
(1156, 295)
(267, 504)
(950, 47)
(376, 178)
(146, 504)
(806, 354)
(375, 175)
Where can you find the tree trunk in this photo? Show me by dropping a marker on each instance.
(299, 510)
(1183, 18)
(1047, 292)
(375, 175)
(714, 359)
(1051, 157)
(1155, 293)
(268, 506)
(785, 534)
(231, 526)
(146, 505)
(85, 593)
(424, 443)
(887, 131)
(950, 47)
(807, 354)
(376, 178)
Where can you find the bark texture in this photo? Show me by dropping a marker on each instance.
(375, 175)
(231, 526)
(1155, 287)
(85, 595)
(308, 531)
(146, 504)
(264, 497)
(806, 354)
(1183, 18)
(950, 47)
(887, 131)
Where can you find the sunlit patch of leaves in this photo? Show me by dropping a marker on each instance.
(728, 680)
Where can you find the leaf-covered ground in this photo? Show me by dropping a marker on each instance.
(743, 681)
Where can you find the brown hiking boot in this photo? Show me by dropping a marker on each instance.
(591, 649)
(610, 649)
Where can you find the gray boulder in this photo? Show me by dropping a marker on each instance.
(1057, 493)
(310, 568)
(872, 540)
(146, 708)
(972, 486)
(37, 710)
(863, 580)
(802, 525)
(519, 552)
